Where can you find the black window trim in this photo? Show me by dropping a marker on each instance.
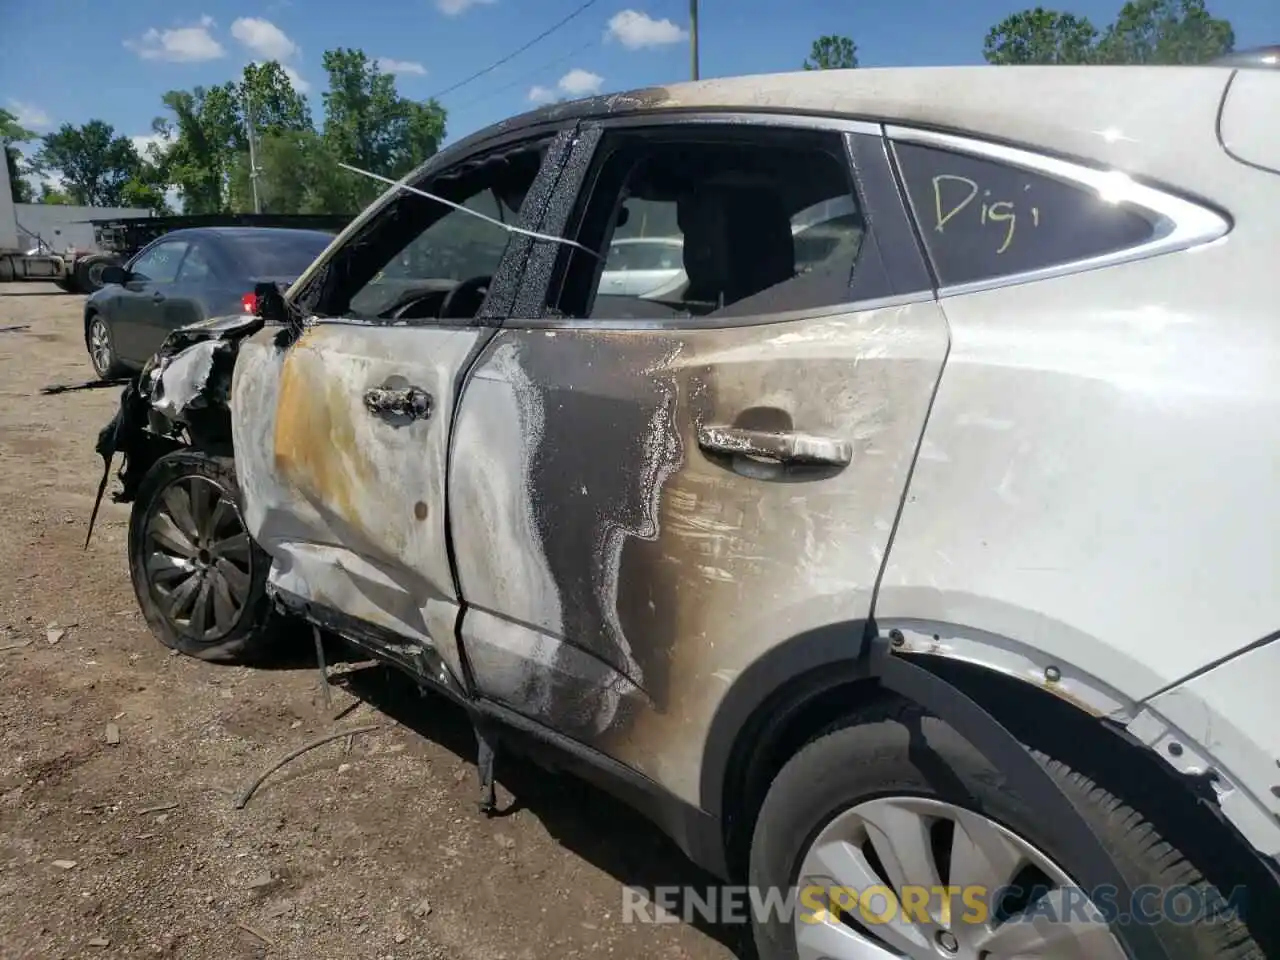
(870, 168)
(465, 151)
(1182, 224)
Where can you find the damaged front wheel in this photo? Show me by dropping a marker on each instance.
(199, 577)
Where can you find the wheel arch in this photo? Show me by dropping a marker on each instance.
(804, 687)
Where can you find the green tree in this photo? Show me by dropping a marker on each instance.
(202, 130)
(55, 196)
(93, 162)
(1145, 31)
(370, 126)
(1165, 32)
(1041, 36)
(296, 174)
(272, 100)
(11, 134)
(832, 53)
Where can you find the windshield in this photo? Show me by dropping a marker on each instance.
(279, 253)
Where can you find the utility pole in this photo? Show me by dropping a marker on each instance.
(253, 158)
(693, 39)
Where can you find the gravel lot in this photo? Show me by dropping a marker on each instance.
(135, 849)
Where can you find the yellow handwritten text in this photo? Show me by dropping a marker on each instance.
(952, 195)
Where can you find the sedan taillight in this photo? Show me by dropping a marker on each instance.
(249, 303)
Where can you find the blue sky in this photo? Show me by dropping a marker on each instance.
(72, 68)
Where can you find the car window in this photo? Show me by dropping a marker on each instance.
(160, 263)
(729, 208)
(195, 266)
(983, 218)
(644, 256)
(278, 254)
(419, 250)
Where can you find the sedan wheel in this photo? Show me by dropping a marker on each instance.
(197, 558)
(864, 824)
(199, 577)
(918, 845)
(101, 353)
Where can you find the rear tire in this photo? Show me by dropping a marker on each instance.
(102, 349)
(874, 759)
(200, 579)
(88, 273)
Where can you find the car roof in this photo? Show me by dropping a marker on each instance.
(234, 233)
(1153, 121)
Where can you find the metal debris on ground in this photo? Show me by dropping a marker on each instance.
(159, 808)
(113, 734)
(57, 388)
(249, 789)
(64, 864)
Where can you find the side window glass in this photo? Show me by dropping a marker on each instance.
(195, 268)
(714, 226)
(160, 263)
(428, 260)
(982, 219)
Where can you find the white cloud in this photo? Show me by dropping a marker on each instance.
(264, 39)
(388, 65)
(180, 44)
(576, 83)
(144, 143)
(452, 8)
(29, 115)
(579, 83)
(636, 30)
(295, 78)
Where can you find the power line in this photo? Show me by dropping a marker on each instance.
(525, 77)
(515, 53)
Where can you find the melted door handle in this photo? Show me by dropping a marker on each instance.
(411, 402)
(785, 447)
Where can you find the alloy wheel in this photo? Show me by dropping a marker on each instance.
(198, 558)
(1013, 900)
(100, 346)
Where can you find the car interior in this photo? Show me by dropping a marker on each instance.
(734, 206)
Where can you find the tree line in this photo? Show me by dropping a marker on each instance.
(200, 146)
(1144, 32)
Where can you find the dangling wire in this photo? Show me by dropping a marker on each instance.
(475, 213)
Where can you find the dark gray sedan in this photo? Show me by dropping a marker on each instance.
(184, 277)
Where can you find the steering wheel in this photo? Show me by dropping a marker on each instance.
(470, 293)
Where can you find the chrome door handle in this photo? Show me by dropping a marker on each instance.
(786, 447)
(412, 402)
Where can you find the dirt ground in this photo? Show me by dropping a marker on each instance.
(367, 848)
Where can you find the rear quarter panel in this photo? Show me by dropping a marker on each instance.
(1096, 484)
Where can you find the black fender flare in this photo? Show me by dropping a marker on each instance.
(1096, 870)
(841, 653)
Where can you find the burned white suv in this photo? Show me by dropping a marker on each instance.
(940, 569)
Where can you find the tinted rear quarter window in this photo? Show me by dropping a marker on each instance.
(269, 254)
(982, 219)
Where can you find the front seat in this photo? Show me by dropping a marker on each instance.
(737, 242)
